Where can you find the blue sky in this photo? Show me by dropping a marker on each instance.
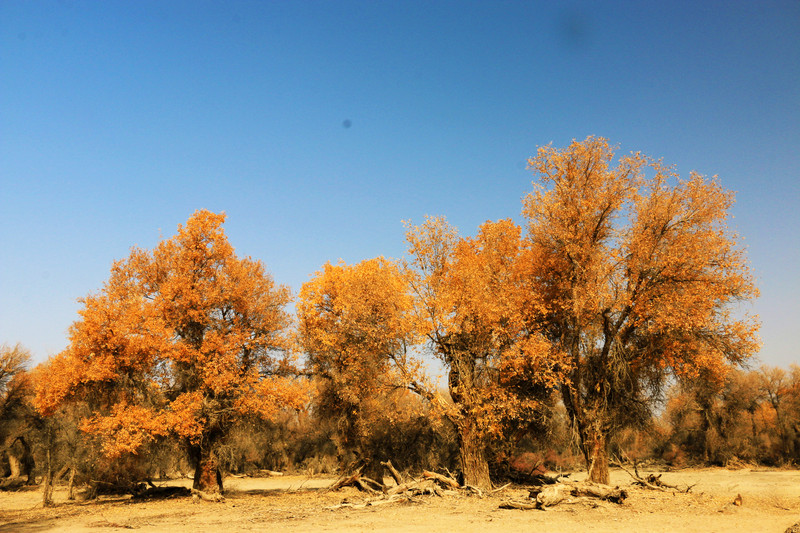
(119, 119)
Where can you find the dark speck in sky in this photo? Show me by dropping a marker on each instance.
(574, 28)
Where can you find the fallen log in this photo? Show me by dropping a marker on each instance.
(426, 487)
(521, 505)
(551, 495)
(398, 489)
(601, 492)
(546, 496)
(346, 481)
(448, 482)
(652, 481)
(360, 482)
(369, 503)
(431, 483)
(398, 478)
(12, 483)
(369, 485)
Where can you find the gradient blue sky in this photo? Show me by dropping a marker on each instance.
(119, 119)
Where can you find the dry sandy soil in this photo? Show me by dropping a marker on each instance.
(770, 503)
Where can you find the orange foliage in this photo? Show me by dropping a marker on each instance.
(625, 274)
(470, 299)
(181, 340)
(355, 324)
(356, 330)
(362, 327)
(635, 271)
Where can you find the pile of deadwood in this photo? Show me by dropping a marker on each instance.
(403, 489)
(652, 481)
(549, 491)
(545, 492)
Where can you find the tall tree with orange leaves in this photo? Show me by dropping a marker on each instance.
(364, 328)
(635, 274)
(184, 341)
(356, 331)
(469, 302)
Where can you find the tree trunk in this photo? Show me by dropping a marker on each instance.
(22, 463)
(593, 441)
(13, 465)
(473, 457)
(595, 450)
(47, 489)
(207, 476)
(71, 495)
(28, 463)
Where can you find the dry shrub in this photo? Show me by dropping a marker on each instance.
(395, 425)
(528, 464)
(413, 442)
(674, 456)
(121, 471)
(545, 444)
(277, 444)
(320, 464)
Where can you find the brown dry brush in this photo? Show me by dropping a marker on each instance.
(402, 487)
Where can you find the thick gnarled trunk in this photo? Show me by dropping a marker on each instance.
(473, 461)
(20, 460)
(207, 476)
(595, 451)
(593, 439)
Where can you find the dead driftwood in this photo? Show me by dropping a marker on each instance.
(446, 482)
(358, 481)
(651, 481)
(370, 503)
(12, 483)
(397, 476)
(545, 496)
(429, 480)
(403, 489)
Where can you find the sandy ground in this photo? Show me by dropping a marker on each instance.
(770, 503)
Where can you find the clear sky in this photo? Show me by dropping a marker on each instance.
(319, 126)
